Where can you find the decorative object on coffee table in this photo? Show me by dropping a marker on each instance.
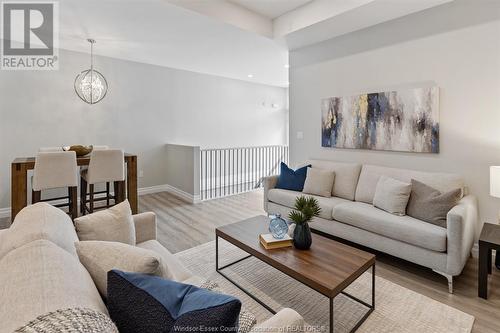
(488, 240)
(278, 227)
(270, 243)
(305, 209)
(79, 149)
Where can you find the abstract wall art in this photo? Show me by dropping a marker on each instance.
(403, 120)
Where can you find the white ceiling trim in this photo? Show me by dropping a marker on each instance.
(271, 8)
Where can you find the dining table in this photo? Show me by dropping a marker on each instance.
(19, 181)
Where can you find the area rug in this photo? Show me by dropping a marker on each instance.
(397, 309)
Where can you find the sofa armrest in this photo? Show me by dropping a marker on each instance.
(269, 183)
(462, 222)
(286, 320)
(145, 227)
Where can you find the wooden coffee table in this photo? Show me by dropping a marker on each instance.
(328, 267)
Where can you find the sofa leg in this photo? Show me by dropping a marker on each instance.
(450, 280)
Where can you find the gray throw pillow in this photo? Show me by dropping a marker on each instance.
(430, 205)
(392, 195)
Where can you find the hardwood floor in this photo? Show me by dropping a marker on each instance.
(182, 225)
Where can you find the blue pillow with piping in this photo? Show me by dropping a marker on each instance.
(145, 303)
(290, 179)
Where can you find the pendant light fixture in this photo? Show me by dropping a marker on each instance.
(90, 85)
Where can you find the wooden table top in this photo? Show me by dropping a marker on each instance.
(327, 267)
(81, 160)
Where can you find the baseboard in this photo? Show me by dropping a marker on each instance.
(183, 195)
(172, 189)
(5, 212)
(153, 189)
(475, 250)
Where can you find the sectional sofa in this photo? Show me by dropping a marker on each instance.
(349, 214)
(40, 271)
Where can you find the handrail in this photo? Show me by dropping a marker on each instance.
(249, 147)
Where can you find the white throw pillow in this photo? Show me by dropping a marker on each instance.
(392, 195)
(319, 182)
(101, 257)
(115, 224)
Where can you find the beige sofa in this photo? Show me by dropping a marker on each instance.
(349, 214)
(40, 271)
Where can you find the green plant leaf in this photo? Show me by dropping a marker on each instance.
(296, 217)
(306, 207)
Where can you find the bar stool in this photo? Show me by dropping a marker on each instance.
(56, 170)
(50, 149)
(106, 166)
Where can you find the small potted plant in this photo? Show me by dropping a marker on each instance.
(305, 209)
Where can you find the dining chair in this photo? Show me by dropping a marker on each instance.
(56, 169)
(105, 166)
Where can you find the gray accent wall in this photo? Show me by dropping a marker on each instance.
(147, 107)
(456, 46)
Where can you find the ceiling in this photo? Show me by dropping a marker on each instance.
(271, 8)
(159, 33)
(238, 39)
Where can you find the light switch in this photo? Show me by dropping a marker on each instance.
(300, 135)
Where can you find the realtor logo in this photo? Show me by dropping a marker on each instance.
(30, 35)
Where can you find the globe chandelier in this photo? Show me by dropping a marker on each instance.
(90, 85)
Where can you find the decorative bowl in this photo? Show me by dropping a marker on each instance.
(79, 149)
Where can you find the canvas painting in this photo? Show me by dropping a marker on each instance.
(405, 120)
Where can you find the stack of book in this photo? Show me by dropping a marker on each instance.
(269, 242)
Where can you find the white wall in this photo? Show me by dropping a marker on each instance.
(455, 45)
(146, 108)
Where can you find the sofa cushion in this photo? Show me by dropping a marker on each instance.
(172, 268)
(370, 175)
(40, 221)
(319, 182)
(287, 198)
(403, 228)
(142, 303)
(430, 205)
(40, 277)
(100, 257)
(115, 224)
(346, 176)
(392, 195)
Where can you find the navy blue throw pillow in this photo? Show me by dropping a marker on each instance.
(292, 180)
(144, 303)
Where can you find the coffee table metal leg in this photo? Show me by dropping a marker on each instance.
(331, 314)
(216, 252)
(373, 286)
